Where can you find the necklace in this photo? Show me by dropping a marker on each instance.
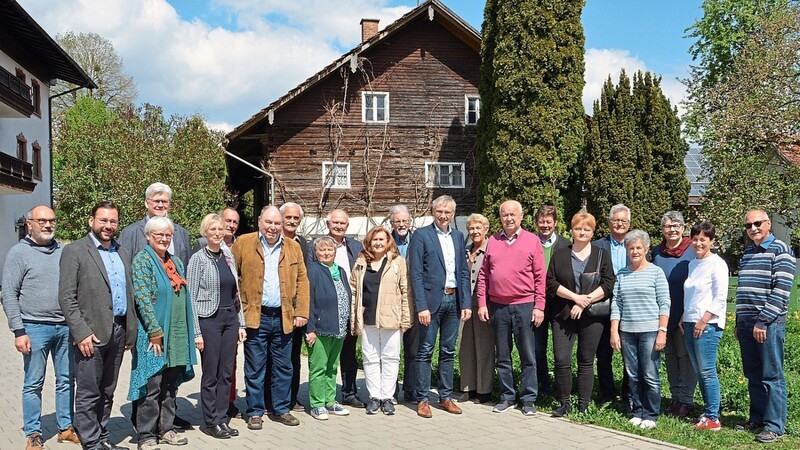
(214, 255)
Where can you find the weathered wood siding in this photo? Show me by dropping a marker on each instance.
(427, 72)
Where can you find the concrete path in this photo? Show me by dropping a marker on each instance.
(477, 427)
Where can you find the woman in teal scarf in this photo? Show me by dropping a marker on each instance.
(164, 352)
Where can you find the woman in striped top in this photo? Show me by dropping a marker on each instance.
(639, 315)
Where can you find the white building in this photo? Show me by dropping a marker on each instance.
(30, 60)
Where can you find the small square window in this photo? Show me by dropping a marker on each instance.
(336, 175)
(375, 107)
(444, 174)
(472, 109)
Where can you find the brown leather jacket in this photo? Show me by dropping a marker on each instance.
(249, 256)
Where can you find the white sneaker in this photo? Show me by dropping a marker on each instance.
(635, 421)
(319, 413)
(337, 410)
(647, 424)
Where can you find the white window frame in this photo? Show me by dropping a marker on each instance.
(432, 181)
(330, 181)
(373, 94)
(467, 98)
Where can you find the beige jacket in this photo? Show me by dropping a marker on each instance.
(394, 308)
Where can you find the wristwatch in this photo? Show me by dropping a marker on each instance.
(664, 329)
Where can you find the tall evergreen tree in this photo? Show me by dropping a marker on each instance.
(532, 127)
(634, 154)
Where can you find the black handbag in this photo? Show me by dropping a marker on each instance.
(589, 281)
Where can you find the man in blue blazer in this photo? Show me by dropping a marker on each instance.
(442, 296)
(619, 221)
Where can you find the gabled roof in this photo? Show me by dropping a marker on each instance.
(19, 31)
(435, 11)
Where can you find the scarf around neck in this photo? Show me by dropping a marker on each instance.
(334, 268)
(678, 251)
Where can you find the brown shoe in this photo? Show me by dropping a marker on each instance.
(35, 442)
(287, 419)
(424, 409)
(449, 406)
(255, 423)
(69, 435)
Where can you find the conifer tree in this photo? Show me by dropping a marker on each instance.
(532, 124)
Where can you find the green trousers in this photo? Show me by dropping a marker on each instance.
(323, 362)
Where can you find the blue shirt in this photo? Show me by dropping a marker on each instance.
(402, 246)
(619, 255)
(271, 292)
(115, 270)
(449, 253)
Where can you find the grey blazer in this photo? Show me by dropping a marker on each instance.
(84, 293)
(203, 278)
(133, 238)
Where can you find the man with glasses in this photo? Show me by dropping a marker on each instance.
(95, 293)
(35, 318)
(158, 198)
(672, 255)
(619, 220)
(400, 219)
(440, 282)
(766, 275)
(158, 201)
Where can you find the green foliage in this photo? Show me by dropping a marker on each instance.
(747, 121)
(634, 154)
(100, 154)
(531, 127)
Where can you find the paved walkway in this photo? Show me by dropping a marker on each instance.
(478, 427)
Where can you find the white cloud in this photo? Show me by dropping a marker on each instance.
(227, 75)
(225, 127)
(602, 63)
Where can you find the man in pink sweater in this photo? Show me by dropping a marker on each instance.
(511, 294)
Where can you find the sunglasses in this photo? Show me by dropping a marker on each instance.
(757, 224)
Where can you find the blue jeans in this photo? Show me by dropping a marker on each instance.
(703, 354)
(514, 322)
(763, 368)
(641, 364)
(47, 340)
(446, 319)
(268, 342)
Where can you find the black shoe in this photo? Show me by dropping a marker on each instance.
(483, 398)
(748, 426)
(105, 445)
(354, 402)
(410, 397)
(561, 411)
(373, 406)
(216, 431)
(387, 406)
(232, 431)
(182, 424)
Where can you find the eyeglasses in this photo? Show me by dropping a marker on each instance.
(673, 226)
(757, 224)
(160, 236)
(158, 202)
(620, 221)
(43, 222)
(107, 222)
(401, 222)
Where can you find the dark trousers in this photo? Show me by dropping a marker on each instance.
(349, 367)
(220, 335)
(410, 348)
(155, 412)
(587, 332)
(95, 382)
(268, 343)
(542, 369)
(513, 323)
(298, 338)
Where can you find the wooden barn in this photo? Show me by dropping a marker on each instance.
(392, 121)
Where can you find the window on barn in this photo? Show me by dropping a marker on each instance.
(375, 107)
(336, 175)
(444, 174)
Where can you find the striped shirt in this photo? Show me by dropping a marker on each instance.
(640, 298)
(766, 274)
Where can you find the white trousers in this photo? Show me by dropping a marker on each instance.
(380, 352)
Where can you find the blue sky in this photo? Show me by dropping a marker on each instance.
(231, 58)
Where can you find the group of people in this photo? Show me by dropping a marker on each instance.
(152, 293)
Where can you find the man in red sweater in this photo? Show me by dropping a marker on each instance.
(511, 293)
